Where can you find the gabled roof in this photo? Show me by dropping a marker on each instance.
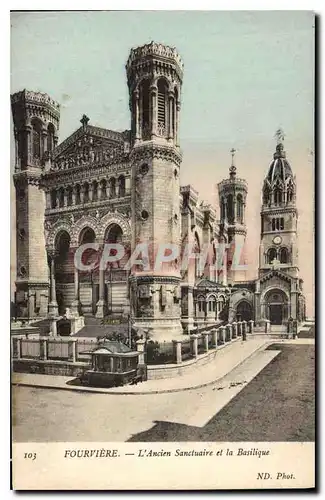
(89, 130)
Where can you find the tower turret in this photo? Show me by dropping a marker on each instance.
(154, 75)
(232, 200)
(36, 122)
(279, 215)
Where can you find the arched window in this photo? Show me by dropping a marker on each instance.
(230, 208)
(221, 304)
(271, 255)
(112, 187)
(53, 198)
(121, 186)
(290, 194)
(77, 191)
(36, 139)
(50, 137)
(145, 118)
(69, 196)
(240, 208)
(103, 185)
(212, 304)
(201, 304)
(283, 254)
(95, 191)
(277, 196)
(162, 107)
(61, 197)
(266, 196)
(86, 192)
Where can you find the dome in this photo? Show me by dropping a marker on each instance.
(279, 167)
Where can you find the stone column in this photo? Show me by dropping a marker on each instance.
(178, 108)
(229, 332)
(194, 338)
(75, 303)
(53, 305)
(43, 348)
(170, 114)
(206, 341)
(215, 337)
(28, 135)
(127, 185)
(136, 114)
(154, 110)
(239, 328)
(178, 350)
(90, 192)
(251, 326)
(74, 197)
(140, 349)
(65, 198)
(244, 326)
(100, 312)
(222, 330)
(72, 350)
(54, 331)
(267, 326)
(234, 329)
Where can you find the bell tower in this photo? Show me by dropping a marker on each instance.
(36, 122)
(154, 75)
(232, 200)
(279, 216)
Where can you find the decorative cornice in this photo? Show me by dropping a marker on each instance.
(80, 174)
(150, 150)
(38, 98)
(154, 49)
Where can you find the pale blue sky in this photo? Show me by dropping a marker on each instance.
(246, 74)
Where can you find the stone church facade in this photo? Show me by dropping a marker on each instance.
(100, 186)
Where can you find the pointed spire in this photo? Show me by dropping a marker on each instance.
(279, 150)
(232, 169)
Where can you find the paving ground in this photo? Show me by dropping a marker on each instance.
(269, 397)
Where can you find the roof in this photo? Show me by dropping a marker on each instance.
(279, 167)
(111, 347)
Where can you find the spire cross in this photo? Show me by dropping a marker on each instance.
(232, 170)
(232, 151)
(84, 120)
(279, 135)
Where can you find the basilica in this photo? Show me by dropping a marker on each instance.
(101, 185)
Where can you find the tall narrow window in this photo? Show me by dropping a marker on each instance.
(230, 208)
(145, 119)
(240, 208)
(162, 107)
(86, 192)
(121, 186)
(271, 255)
(77, 190)
(281, 224)
(283, 254)
(53, 198)
(36, 139)
(273, 224)
(50, 138)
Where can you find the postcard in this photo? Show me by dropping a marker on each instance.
(162, 243)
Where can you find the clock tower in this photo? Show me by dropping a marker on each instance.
(278, 246)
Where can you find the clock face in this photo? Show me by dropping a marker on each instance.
(277, 240)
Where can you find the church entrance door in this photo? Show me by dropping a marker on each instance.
(276, 314)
